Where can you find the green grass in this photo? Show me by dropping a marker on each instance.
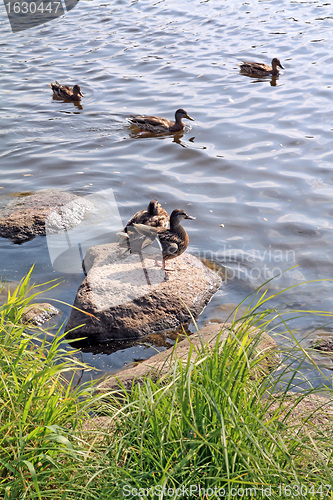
(40, 408)
(218, 422)
(208, 425)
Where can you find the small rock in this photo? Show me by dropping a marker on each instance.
(322, 344)
(128, 297)
(38, 314)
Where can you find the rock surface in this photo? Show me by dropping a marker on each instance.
(127, 297)
(38, 314)
(324, 343)
(160, 364)
(24, 217)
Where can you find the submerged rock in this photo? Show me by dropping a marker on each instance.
(24, 217)
(128, 297)
(322, 343)
(38, 314)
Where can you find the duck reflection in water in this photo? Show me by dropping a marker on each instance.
(176, 136)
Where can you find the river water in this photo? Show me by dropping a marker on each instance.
(258, 158)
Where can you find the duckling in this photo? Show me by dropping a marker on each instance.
(66, 92)
(174, 241)
(154, 215)
(157, 124)
(261, 69)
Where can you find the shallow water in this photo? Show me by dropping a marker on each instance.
(258, 157)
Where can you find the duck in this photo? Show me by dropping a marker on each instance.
(66, 92)
(261, 69)
(174, 241)
(154, 215)
(159, 125)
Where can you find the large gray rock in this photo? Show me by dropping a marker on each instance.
(24, 217)
(127, 297)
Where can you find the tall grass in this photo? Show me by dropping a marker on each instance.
(215, 426)
(40, 408)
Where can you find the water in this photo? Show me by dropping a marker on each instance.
(258, 157)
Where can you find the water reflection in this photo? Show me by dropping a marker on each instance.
(76, 104)
(274, 80)
(158, 340)
(136, 133)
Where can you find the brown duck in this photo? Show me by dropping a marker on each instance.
(174, 241)
(261, 69)
(66, 92)
(154, 215)
(159, 125)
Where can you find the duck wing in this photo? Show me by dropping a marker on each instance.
(170, 247)
(159, 221)
(255, 66)
(170, 242)
(61, 91)
(146, 231)
(67, 88)
(137, 218)
(151, 121)
(137, 238)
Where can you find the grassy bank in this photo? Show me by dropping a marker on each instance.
(216, 427)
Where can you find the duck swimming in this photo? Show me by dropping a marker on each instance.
(157, 124)
(174, 241)
(154, 215)
(261, 69)
(66, 92)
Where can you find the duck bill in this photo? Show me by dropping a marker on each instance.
(280, 66)
(189, 118)
(80, 94)
(190, 217)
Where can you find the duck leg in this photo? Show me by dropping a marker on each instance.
(145, 272)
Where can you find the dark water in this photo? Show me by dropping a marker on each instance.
(258, 158)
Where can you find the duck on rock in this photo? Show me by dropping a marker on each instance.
(173, 241)
(261, 69)
(154, 215)
(157, 124)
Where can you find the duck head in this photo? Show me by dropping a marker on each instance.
(181, 113)
(276, 62)
(153, 207)
(177, 216)
(77, 90)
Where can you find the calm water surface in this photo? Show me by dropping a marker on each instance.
(258, 158)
